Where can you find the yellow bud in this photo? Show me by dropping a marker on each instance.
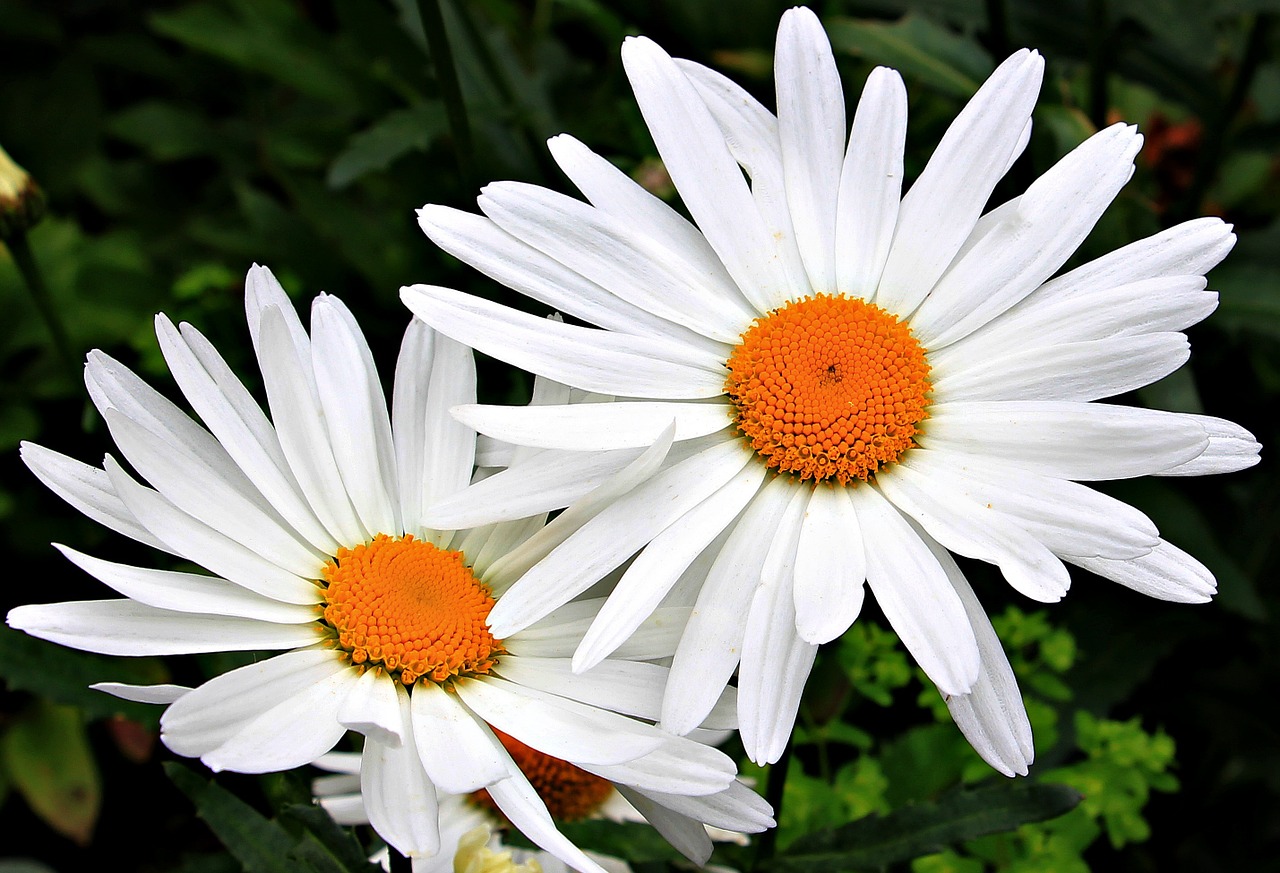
(21, 200)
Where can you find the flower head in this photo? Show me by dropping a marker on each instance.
(860, 382)
(21, 200)
(312, 526)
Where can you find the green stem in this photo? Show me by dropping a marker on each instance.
(767, 844)
(20, 250)
(997, 29)
(1099, 51)
(450, 89)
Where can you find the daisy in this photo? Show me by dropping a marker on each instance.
(861, 382)
(312, 526)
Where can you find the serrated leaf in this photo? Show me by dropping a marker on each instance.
(46, 754)
(64, 675)
(925, 828)
(322, 834)
(918, 48)
(394, 135)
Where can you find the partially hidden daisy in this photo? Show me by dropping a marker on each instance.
(861, 382)
(311, 523)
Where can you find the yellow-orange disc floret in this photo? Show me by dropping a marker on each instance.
(413, 609)
(829, 388)
(570, 793)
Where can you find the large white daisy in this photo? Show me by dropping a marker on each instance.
(312, 525)
(860, 381)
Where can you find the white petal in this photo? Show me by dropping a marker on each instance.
(89, 490)
(521, 805)
(547, 480)
(372, 708)
(201, 492)
(711, 645)
(354, 410)
(202, 544)
(239, 424)
(261, 292)
(208, 716)
(1188, 249)
(751, 134)
(408, 419)
(299, 421)
(398, 796)
(595, 426)
(992, 715)
(556, 635)
(189, 592)
(705, 173)
(1231, 448)
(1167, 573)
(967, 527)
(614, 252)
(830, 567)
(557, 726)
(1082, 441)
(1081, 371)
(142, 693)
(1053, 217)
(737, 808)
(811, 129)
(915, 595)
(947, 198)
(616, 532)
(594, 360)
(458, 750)
(274, 715)
(775, 660)
(659, 566)
(124, 627)
(688, 837)
(871, 184)
(678, 766)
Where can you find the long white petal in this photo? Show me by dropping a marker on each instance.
(659, 566)
(626, 687)
(1082, 441)
(737, 808)
(944, 203)
(1230, 448)
(679, 766)
(711, 645)
(457, 749)
(811, 129)
(831, 566)
(616, 532)
(775, 660)
(595, 426)
(400, 800)
(1166, 573)
(449, 446)
(190, 592)
(688, 837)
(124, 627)
(871, 184)
(558, 726)
(613, 252)
(372, 708)
(710, 183)
(594, 360)
(521, 805)
(164, 694)
(915, 595)
(354, 411)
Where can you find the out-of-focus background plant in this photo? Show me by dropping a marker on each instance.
(163, 147)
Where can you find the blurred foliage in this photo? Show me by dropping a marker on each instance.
(178, 141)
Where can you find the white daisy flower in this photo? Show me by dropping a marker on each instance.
(311, 523)
(860, 382)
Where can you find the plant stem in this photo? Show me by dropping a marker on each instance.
(1099, 52)
(399, 863)
(766, 845)
(20, 250)
(450, 89)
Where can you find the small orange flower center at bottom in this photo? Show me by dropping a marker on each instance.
(411, 608)
(570, 793)
(829, 387)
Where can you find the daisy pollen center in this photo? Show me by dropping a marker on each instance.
(415, 610)
(570, 793)
(829, 387)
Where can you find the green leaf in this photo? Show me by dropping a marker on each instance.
(164, 131)
(918, 48)
(64, 675)
(46, 754)
(393, 136)
(925, 828)
(1250, 294)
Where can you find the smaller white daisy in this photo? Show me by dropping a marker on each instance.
(311, 525)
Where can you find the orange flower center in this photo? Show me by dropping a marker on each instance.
(413, 609)
(829, 388)
(570, 793)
